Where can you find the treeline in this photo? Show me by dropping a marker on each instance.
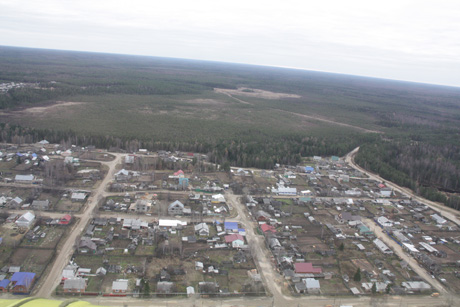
(427, 169)
(262, 153)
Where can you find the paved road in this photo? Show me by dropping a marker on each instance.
(406, 257)
(51, 281)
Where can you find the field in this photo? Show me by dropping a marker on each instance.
(244, 115)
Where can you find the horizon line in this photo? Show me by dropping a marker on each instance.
(242, 63)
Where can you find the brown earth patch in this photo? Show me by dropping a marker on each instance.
(205, 101)
(54, 107)
(257, 93)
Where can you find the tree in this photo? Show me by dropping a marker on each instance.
(357, 276)
(226, 166)
(342, 247)
(146, 288)
(388, 289)
(374, 288)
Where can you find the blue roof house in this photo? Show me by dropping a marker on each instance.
(22, 282)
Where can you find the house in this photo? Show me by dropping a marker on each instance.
(24, 178)
(142, 206)
(41, 205)
(380, 286)
(235, 239)
(122, 175)
(15, 202)
(382, 247)
(65, 220)
(199, 266)
(285, 191)
(120, 286)
(86, 246)
(416, 286)
(306, 268)
(165, 287)
(178, 174)
(78, 197)
(176, 208)
(171, 223)
(69, 271)
(386, 192)
(309, 169)
(101, 271)
(129, 159)
(384, 222)
(346, 217)
(26, 220)
(190, 291)
(74, 285)
(365, 231)
(21, 282)
(439, 220)
(267, 228)
(231, 227)
(202, 229)
(312, 285)
(4, 285)
(300, 287)
(262, 216)
(218, 199)
(274, 243)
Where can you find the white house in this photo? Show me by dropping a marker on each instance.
(26, 220)
(176, 208)
(202, 229)
(24, 178)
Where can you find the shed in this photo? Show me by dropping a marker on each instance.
(74, 285)
(120, 286)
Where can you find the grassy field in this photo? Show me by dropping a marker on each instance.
(249, 116)
(147, 97)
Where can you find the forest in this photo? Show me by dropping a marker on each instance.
(409, 133)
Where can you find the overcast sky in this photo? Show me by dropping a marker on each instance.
(413, 40)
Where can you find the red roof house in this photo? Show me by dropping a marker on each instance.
(233, 237)
(265, 228)
(65, 220)
(306, 268)
(179, 173)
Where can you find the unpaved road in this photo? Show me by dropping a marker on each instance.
(311, 117)
(48, 283)
(271, 279)
(409, 259)
(445, 211)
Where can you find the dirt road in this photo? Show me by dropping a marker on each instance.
(400, 252)
(48, 283)
(447, 212)
(261, 254)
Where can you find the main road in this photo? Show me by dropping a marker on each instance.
(272, 281)
(65, 252)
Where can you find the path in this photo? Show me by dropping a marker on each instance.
(445, 211)
(400, 252)
(49, 282)
(313, 117)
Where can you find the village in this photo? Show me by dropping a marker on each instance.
(173, 224)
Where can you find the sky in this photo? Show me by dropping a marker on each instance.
(411, 40)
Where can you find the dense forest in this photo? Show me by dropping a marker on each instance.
(409, 133)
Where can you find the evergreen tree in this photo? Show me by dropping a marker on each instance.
(374, 288)
(357, 276)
